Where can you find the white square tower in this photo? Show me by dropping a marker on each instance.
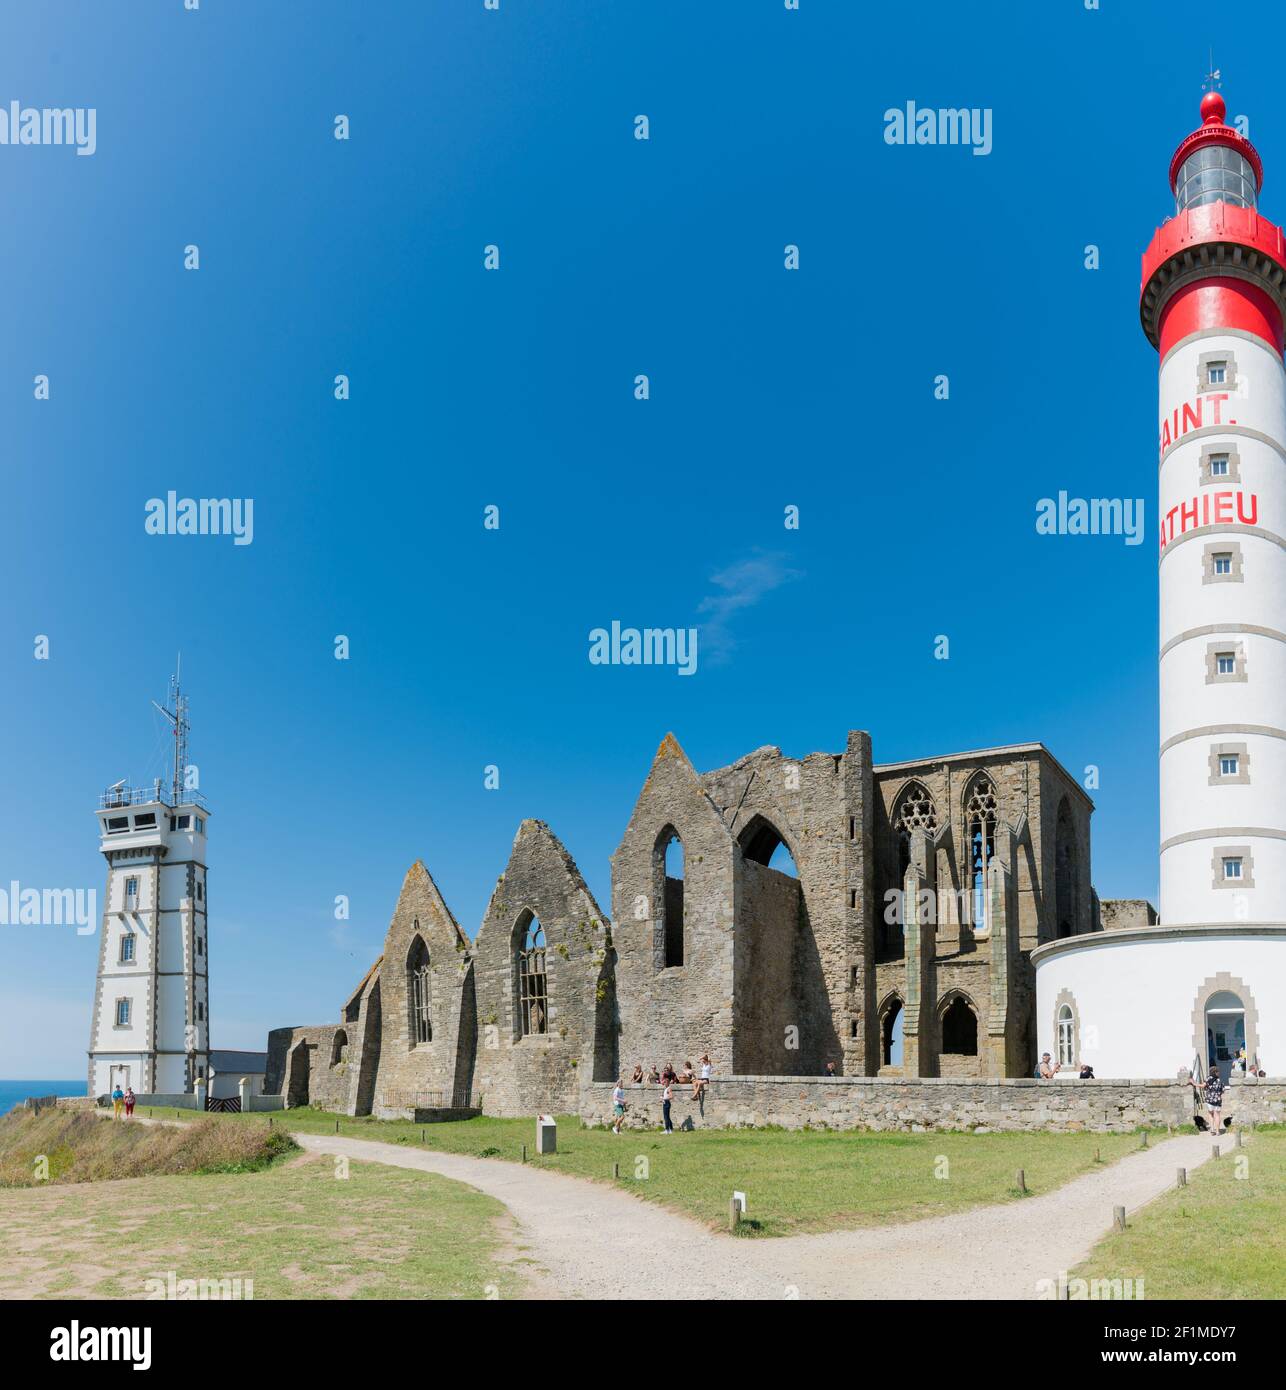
(150, 1027)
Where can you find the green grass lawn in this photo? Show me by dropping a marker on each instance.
(796, 1181)
(296, 1229)
(1222, 1237)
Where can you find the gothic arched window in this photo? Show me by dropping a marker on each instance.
(533, 993)
(915, 811)
(959, 1029)
(418, 992)
(670, 860)
(980, 836)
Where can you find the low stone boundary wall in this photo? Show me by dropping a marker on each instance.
(907, 1103)
(1260, 1102)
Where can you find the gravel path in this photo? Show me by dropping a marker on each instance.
(595, 1242)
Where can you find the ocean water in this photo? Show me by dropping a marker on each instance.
(15, 1092)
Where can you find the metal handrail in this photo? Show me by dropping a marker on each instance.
(115, 798)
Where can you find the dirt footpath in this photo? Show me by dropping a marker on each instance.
(597, 1242)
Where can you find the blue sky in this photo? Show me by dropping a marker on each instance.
(514, 388)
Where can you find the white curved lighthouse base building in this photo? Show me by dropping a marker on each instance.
(1151, 1001)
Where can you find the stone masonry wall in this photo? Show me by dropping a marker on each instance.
(668, 1011)
(415, 1073)
(817, 807)
(879, 1103)
(517, 1075)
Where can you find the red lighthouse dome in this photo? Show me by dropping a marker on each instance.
(1216, 261)
(1215, 164)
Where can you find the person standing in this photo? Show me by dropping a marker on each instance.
(618, 1106)
(667, 1095)
(1212, 1093)
(130, 1098)
(118, 1099)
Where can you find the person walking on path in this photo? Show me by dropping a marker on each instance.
(118, 1099)
(130, 1098)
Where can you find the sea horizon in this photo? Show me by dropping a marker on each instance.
(15, 1090)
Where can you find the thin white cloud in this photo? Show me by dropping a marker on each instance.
(740, 586)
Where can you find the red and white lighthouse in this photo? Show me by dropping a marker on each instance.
(1213, 303)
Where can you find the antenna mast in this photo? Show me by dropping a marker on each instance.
(178, 717)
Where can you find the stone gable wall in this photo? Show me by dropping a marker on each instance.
(517, 1075)
(664, 1012)
(408, 1069)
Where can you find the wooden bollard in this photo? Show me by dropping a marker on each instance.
(524, 1153)
(1096, 1157)
(616, 1170)
(336, 1126)
(1183, 1177)
(734, 1214)
(1236, 1138)
(421, 1136)
(1118, 1218)
(1216, 1152)
(1145, 1140)
(269, 1121)
(1021, 1180)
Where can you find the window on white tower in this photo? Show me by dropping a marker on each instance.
(131, 892)
(1232, 869)
(1218, 465)
(1228, 764)
(1223, 562)
(1217, 373)
(122, 1013)
(127, 948)
(200, 825)
(1226, 663)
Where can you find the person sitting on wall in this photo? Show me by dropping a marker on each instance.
(637, 1078)
(830, 1070)
(1047, 1069)
(668, 1074)
(653, 1076)
(703, 1079)
(1087, 1072)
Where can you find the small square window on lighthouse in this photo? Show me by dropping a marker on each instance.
(1217, 373)
(1232, 870)
(1223, 562)
(1218, 465)
(1226, 664)
(1229, 765)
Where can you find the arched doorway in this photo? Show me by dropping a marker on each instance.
(1225, 1019)
(1225, 1031)
(891, 1033)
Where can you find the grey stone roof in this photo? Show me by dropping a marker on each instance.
(248, 1063)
